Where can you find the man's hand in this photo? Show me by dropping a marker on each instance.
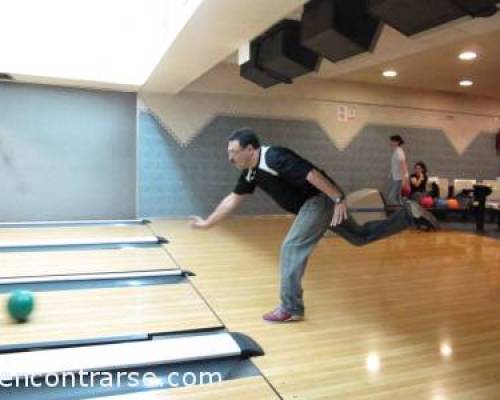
(199, 223)
(339, 214)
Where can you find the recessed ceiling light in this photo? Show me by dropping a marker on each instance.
(390, 73)
(466, 82)
(467, 55)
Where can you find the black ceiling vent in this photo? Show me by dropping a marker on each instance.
(282, 53)
(414, 16)
(254, 72)
(338, 29)
(478, 8)
(5, 77)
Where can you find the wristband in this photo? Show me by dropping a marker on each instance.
(338, 200)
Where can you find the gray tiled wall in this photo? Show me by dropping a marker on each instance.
(181, 181)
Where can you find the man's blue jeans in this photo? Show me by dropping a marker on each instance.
(311, 223)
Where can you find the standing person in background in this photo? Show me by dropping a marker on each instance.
(399, 171)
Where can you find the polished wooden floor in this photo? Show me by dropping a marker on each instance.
(415, 316)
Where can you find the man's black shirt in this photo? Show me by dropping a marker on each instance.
(280, 173)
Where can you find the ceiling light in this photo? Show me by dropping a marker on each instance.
(390, 73)
(466, 82)
(467, 55)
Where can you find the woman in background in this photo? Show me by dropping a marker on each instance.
(418, 181)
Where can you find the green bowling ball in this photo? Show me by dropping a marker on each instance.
(20, 305)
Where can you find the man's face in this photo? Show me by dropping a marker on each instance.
(240, 157)
(394, 145)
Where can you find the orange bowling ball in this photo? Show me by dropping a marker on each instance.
(453, 203)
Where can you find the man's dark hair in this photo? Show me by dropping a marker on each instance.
(398, 139)
(245, 137)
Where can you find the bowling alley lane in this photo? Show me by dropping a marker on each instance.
(71, 235)
(84, 261)
(90, 315)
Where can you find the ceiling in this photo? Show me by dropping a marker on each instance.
(439, 68)
(426, 61)
(214, 30)
(217, 29)
(430, 60)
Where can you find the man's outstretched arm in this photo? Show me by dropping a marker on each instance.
(225, 207)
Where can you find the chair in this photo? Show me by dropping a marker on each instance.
(369, 202)
(459, 185)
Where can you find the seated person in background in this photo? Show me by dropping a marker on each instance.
(418, 181)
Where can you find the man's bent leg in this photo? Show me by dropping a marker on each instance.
(360, 235)
(311, 223)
